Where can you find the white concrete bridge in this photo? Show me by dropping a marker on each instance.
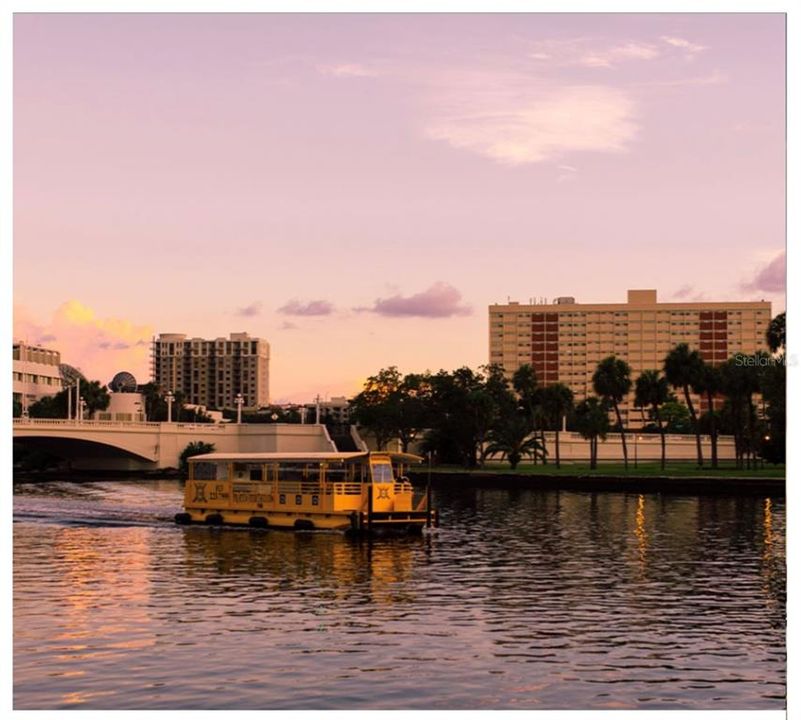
(110, 445)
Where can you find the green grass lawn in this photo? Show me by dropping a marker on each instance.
(644, 469)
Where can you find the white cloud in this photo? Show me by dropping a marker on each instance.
(621, 53)
(580, 51)
(514, 121)
(713, 78)
(346, 70)
(567, 173)
(683, 44)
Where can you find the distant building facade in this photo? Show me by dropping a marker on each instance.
(212, 372)
(35, 373)
(565, 341)
(335, 411)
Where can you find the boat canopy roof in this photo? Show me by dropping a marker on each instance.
(312, 457)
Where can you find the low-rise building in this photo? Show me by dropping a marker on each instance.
(35, 373)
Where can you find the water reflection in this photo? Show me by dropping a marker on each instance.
(642, 535)
(279, 561)
(523, 599)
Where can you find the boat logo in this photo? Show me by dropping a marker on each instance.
(200, 493)
(383, 493)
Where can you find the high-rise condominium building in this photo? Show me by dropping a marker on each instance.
(212, 372)
(565, 341)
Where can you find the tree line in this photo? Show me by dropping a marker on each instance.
(465, 416)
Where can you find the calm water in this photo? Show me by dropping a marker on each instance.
(537, 600)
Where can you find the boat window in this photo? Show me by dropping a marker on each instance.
(311, 473)
(209, 471)
(382, 472)
(291, 472)
(336, 472)
(247, 471)
(356, 472)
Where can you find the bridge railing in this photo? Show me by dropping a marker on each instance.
(88, 424)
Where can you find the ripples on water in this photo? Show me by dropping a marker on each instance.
(535, 600)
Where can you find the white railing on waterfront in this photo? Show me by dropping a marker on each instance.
(98, 424)
(83, 423)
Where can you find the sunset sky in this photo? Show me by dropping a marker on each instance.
(357, 189)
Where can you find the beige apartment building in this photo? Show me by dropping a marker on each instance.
(211, 373)
(35, 373)
(564, 341)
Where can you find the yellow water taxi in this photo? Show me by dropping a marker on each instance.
(351, 491)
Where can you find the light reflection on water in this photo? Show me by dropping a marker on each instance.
(540, 600)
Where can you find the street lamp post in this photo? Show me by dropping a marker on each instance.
(170, 398)
(239, 401)
(81, 408)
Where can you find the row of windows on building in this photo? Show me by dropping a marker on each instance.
(37, 379)
(633, 313)
(206, 348)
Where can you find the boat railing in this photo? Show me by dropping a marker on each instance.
(400, 488)
(300, 488)
(346, 488)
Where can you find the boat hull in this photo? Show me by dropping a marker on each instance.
(353, 522)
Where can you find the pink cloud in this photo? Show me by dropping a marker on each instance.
(100, 347)
(771, 278)
(250, 310)
(312, 308)
(440, 300)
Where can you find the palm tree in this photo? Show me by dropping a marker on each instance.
(709, 383)
(652, 391)
(524, 381)
(739, 382)
(557, 401)
(525, 384)
(592, 422)
(612, 382)
(682, 370)
(511, 438)
(776, 334)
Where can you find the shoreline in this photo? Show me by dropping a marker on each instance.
(488, 479)
(719, 485)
